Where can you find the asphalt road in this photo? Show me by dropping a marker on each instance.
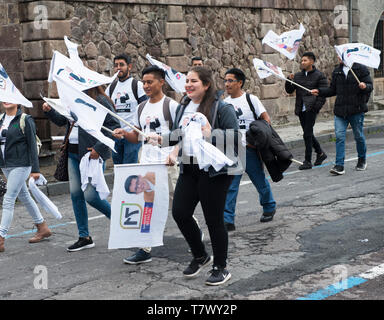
(327, 230)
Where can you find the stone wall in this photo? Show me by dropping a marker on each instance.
(10, 41)
(226, 33)
(224, 36)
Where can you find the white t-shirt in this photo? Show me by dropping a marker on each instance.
(346, 70)
(152, 120)
(125, 101)
(5, 125)
(244, 113)
(188, 114)
(74, 135)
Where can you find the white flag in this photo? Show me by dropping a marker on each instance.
(77, 76)
(56, 104)
(72, 51)
(8, 91)
(88, 113)
(359, 53)
(41, 198)
(287, 43)
(265, 69)
(174, 78)
(139, 206)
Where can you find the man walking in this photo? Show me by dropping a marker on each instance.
(155, 115)
(350, 105)
(308, 106)
(126, 93)
(248, 108)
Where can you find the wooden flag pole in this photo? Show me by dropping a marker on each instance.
(296, 84)
(296, 161)
(354, 74)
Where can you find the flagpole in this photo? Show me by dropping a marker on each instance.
(296, 84)
(354, 74)
(127, 123)
(296, 161)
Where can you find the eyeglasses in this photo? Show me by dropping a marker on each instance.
(230, 80)
(121, 64)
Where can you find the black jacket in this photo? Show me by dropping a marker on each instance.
(272, 150)
(20, 149)
(313, 80)
(85, 139)
(350, 99)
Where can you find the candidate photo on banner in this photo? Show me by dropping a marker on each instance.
(139, 206)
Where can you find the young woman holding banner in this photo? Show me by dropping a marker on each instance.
(80, 143)
(19, 161)
(207, 187)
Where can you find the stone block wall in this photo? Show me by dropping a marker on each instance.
(225, 33)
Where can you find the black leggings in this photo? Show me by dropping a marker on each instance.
(195, 185)
(307, 121)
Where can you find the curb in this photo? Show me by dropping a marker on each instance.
(59, 188)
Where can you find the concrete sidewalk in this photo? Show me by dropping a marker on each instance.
(292, 135)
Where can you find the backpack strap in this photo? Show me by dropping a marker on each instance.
(251, 106)
(112, 87)
(22, 122)
(135, 89)
(167, 112)
(214, 115)
(140, 108)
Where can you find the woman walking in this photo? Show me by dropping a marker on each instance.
(209, 187)
(80, 143)
(18, 161)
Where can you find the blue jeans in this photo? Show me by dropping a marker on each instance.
(79, 198)
(256, 174)
(17, 188)
(127, 152)
(357, 123)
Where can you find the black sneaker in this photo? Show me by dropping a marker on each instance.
(230, 226)
(139, 257)
(320, 158)
(306, 165)
(218, 276)
(267, 216)
(82, 243)
(337, 170)
(196, 265)
(361, 164)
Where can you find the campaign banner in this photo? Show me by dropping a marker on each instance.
(78, 76)
(8, 91)
(351, 53)
(265, 69)
(72, 51)
(87, 112)
(287, 43)
(139, 207)
(174, 78)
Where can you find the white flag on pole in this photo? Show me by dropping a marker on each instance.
(361, 53)
(72, 51)
(78, 76)
(287, 43)
(139, 206)
(88, 113)
(8, 91)
(174, 78)
(265, 69)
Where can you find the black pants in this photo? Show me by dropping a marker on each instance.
(194, 186)
(307, 121)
